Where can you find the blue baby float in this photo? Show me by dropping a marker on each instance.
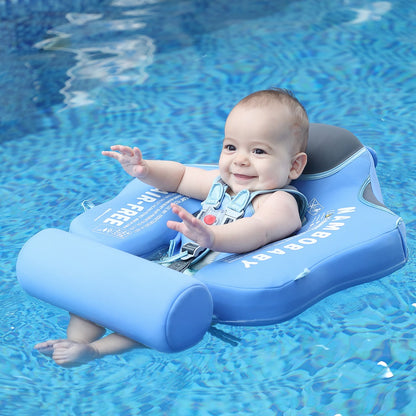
(102, 269)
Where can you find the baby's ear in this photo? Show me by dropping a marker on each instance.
(298, 164)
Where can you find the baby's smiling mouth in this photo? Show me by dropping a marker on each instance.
(243, 177)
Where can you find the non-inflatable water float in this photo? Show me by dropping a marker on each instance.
(102, 269)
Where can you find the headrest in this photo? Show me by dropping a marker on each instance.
(328, 146)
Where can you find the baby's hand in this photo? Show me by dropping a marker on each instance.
(192, 227)
(130, 159)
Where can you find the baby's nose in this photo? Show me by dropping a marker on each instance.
(241, 158)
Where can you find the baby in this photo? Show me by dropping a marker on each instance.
(263, 151)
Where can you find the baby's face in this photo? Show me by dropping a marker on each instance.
(258, 148)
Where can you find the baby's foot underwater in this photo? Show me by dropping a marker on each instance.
(47, 347)
(67, 353)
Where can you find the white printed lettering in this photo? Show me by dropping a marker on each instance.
(293, 246)
(307, 241)
(276, 251)
(136, 207)
(119, 217)
(128, 212)
(346, 210)
(247, 264)
(146, 198)
(261, 257)
(334, 226)
(321, 234)
(112, 221)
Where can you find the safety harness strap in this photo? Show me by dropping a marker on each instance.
(191, 252)
(212, 214)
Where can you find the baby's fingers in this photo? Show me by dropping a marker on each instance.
(125, 150)
(182, 213)
(174, 225)
(117, 151)
(109, 153)
(137, 152)
(124, 153)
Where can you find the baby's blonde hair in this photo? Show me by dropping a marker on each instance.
(287, 98)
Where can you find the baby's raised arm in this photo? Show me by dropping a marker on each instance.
(163, 174)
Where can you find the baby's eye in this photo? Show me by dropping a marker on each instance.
(259, 151)
(230, 147)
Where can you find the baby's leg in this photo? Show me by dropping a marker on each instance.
(84, 344)
(79, 330)
(68, 353)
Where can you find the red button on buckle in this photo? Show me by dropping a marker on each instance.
(210, 219)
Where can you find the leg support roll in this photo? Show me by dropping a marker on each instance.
(151, 304)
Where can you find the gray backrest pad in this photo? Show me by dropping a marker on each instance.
(328, 146)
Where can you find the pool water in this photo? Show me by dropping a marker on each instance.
(77, 76)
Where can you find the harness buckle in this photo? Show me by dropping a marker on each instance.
(193, 250)
(231, 215)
